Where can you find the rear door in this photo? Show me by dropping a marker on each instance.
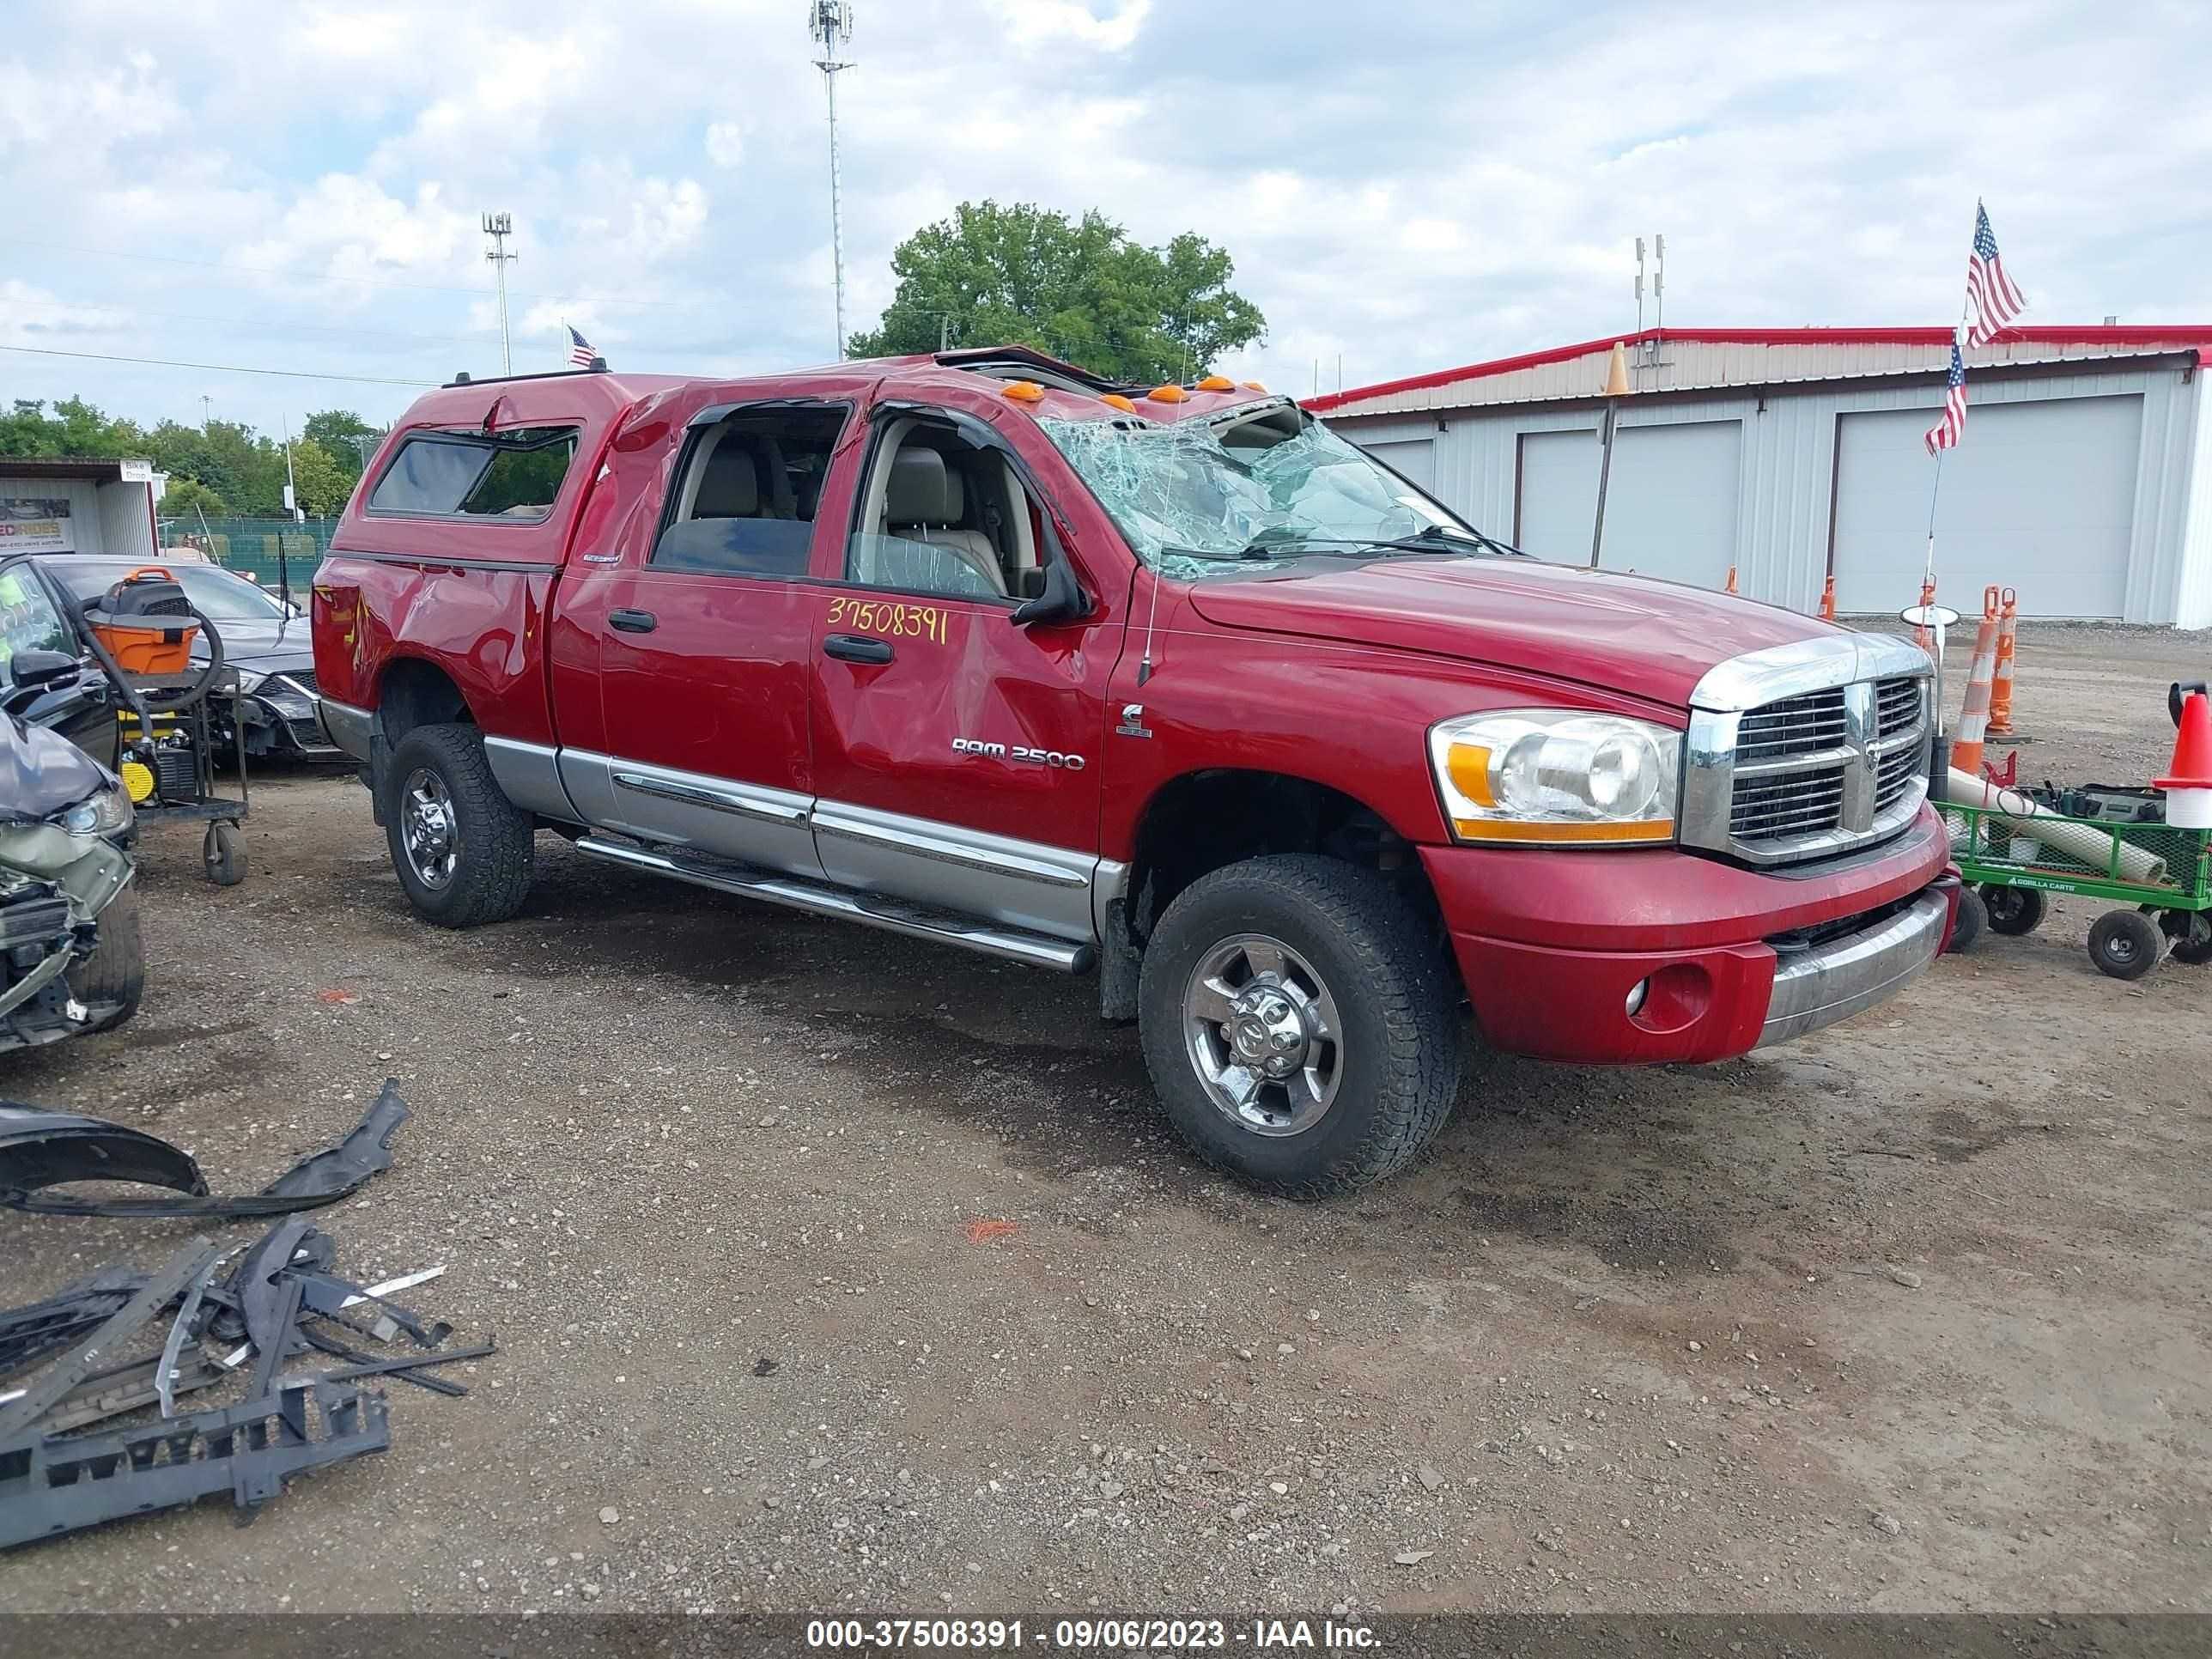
(957, 753)
(692, 604)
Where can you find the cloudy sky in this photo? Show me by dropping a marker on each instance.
(1411, 186)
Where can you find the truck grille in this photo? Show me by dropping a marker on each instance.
(1814, 771)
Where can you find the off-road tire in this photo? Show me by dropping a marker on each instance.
(2015, 910)
(116, 971)
(2188, 936)
(1971, 922)
(491, 879)
(1397, 1001)
(2125, 944)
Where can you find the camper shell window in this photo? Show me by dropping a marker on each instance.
(515, 474)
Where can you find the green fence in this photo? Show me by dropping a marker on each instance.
(273, 552)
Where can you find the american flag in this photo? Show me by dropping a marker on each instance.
(581, 352)
(1946, 432)
(1996, 301)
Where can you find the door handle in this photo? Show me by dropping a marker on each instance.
(633, 622)
(856, 647)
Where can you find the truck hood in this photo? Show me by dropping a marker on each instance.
(1635, 635)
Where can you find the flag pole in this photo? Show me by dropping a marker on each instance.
(1921, 637)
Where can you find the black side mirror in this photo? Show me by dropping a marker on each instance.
(30, 669)
(1062, 600)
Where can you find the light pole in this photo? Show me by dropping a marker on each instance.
(829, 23)
(499, 227)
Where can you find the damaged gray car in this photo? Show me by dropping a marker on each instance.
(71, 959)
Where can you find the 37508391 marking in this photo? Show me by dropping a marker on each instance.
(889, 617)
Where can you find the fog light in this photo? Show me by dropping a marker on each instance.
(1637, 992)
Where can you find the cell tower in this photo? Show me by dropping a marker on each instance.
(499, 227)
(830, 24)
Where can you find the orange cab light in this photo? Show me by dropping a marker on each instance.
(1024, 392)
(1254, 385)
(1217, 383)
(1168, 394)
(1118, 401)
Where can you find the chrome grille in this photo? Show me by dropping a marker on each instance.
(1806, 750)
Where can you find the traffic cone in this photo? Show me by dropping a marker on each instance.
(1923, 635)
(1974, 718)
(2001, 682)
(1828, 601)
(2188, 784)
(1730, 588)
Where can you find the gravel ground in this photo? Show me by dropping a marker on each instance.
(835, 1271)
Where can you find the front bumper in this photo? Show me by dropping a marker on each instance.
(1551, 946)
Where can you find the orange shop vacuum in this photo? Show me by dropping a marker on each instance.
(146, 623)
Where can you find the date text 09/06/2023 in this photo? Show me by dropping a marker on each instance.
(1080, 1635)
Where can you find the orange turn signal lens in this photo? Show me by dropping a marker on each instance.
(1565, 835)
(1024, 392)
(1469, 767)
(1118, 401)
(1168, 394)
(1217, 383)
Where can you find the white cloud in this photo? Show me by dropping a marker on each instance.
(726, 144)
(1032, 23)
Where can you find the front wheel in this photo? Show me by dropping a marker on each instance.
(2125, 944)
(463, 852)
(1968, 925)
(113, 977)
(2013, 910)
(1300, 1024)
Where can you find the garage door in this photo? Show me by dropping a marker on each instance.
(2040, 497)
(1414, 458)
(1670, 505)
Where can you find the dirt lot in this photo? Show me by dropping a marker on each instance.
(1912, 1315)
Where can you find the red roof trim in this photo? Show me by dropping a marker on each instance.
(2199, 337)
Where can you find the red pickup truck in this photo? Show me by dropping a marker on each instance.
(1174, 685)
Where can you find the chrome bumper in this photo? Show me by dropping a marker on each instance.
(346, 726)
(1847, 974)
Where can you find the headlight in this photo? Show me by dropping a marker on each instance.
(103, 814)
(249, 681)
(1556, 775)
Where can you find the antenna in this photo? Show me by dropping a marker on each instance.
(1659, 290)
(829, 22)
(1639, 285)
(499, 227)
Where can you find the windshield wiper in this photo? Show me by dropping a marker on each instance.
(1454, 541)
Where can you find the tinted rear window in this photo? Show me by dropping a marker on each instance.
(514, 474)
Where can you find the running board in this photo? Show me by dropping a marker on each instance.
(894, 915)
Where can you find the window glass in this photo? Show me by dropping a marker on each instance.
(744, 498)
(221, 597)
(514, 474)
(1199, 498)
(28, 620)
(940, 516)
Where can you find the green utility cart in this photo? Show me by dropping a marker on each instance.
(2163, 874)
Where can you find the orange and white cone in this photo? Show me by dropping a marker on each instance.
(2188, 786)
(1922, 634)
(1974, 718)
(1731, 588)
(1828, 601)
(2001, 682)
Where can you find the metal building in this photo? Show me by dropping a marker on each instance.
(2084, 480)
(56, 505)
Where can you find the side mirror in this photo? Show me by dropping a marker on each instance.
(1062, 598)
(31, 669)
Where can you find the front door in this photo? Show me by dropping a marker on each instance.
(957, 753)
(81, 707)
(698, 619)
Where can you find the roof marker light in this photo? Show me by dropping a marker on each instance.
(1118, 401)
(1254, 385)
(1024, 392)
(1217, 383)
(1168, 394)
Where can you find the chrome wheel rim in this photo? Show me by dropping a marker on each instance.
(430, 828)
(1261, 1029)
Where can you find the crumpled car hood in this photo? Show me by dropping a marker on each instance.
(42, 772)
(1635, 635)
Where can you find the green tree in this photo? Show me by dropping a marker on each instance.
(320, 485)
(188, 499)
(1080, 289)
(338, 430)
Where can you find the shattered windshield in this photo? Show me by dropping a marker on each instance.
(1198, 499)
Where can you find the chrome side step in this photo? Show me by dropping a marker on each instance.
(895, 915)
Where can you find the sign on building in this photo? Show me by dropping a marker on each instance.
(35, 524)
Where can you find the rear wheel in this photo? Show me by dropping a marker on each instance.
(1300, 1024)
(2125, 944)
(1972, 919)
(115, 973)
(2188, 936)
(463, 852)
(2013, 910)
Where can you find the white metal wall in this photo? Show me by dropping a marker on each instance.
(83, 497)
(1670, 502)
(1784, 486)
(126, 522)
